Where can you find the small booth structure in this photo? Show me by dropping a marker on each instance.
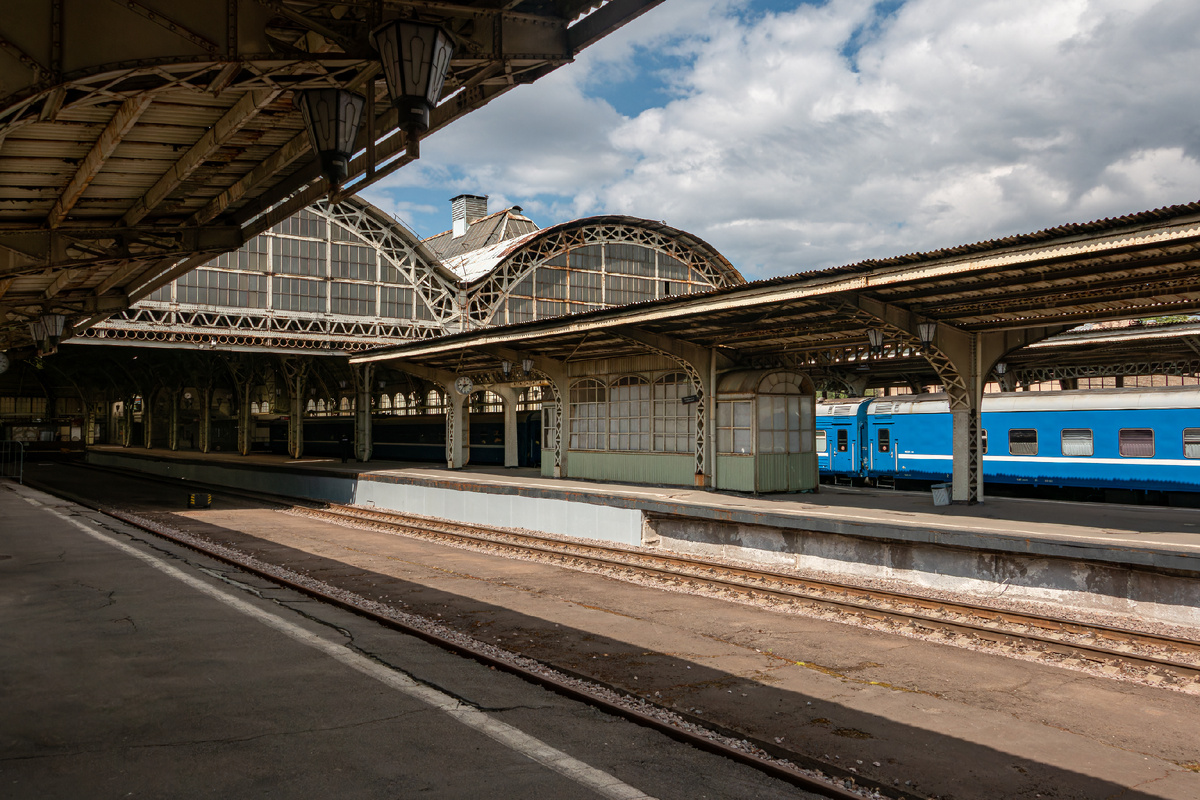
(655, 423)
(765, 432)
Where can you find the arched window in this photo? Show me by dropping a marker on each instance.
(530, 399)
(385, 402)
(345, 405)
(486, 402)
(629, 414)
(435, 402)
(311, 407)
(674, 423)
(785, 415)
(589, 414)
(321, 407)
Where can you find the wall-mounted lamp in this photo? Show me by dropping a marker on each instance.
(506, 367)
(333, 118)
(415, 58)
(1000, 368)
(875, 338)
(927, 331)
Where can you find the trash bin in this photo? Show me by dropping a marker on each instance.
(941, 494)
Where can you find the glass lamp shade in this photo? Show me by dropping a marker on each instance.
(333, 117)
(927, 330)
(415, 58)
(875, 337)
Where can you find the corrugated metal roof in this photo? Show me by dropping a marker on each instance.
(482, 233)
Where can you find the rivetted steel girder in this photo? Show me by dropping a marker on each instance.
(26, 252)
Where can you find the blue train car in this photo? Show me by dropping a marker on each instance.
(1134, 439)
(841, 437)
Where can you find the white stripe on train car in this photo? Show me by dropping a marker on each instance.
(1158, 462)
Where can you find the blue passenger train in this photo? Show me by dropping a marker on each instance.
(1141, 440)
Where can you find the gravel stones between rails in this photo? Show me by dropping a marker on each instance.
(578, 554)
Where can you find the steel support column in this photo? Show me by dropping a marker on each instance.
(173, 423)
(509, 396)
(205, 434)
(363, 445)
(148, 420)
(458, 434)
(294, 373)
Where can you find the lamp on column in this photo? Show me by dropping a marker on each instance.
(927, 331)
(415, 58)
(333, 117)
(875, 338)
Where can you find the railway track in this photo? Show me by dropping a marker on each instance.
(1176, 657)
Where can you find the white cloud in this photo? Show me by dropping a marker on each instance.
(953, 122)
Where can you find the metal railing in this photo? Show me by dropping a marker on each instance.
(12, 460)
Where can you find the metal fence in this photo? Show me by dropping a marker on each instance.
(12, 460)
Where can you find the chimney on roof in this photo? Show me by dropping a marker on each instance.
(465, 209)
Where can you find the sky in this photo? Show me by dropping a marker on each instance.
(794, 136)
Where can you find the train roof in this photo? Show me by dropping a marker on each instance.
(1071, 400)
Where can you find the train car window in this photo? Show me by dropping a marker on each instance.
(1077, 442)
(843, 443)
(983, 441)
(1022, 441)
(1191, 442)
(1136, 442)
(822, 445)
(885, 440)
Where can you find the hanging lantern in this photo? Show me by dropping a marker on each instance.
(875, 338)
(415, 57)
(333, 117)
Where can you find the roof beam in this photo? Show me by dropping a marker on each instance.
(157, 282)
(120, 124)
(605, 20)
(119, 274)
(297, 146)
(63, 279)
(244, 110)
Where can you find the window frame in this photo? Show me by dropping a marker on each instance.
(1012, 442)
(1122, 443)
(1091, 440)
(1195, 443)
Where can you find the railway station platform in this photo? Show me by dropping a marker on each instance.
(134, 667)
(1131, 562)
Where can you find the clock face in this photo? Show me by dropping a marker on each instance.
(3, 362)
(464, 385)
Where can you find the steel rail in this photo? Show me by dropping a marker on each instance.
(772, 765)
(753, 581)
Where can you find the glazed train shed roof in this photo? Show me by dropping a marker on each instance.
(1141, 265)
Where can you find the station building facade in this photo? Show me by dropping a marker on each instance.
(249, 351)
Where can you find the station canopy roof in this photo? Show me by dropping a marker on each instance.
(139, 139)
(1142, 265)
